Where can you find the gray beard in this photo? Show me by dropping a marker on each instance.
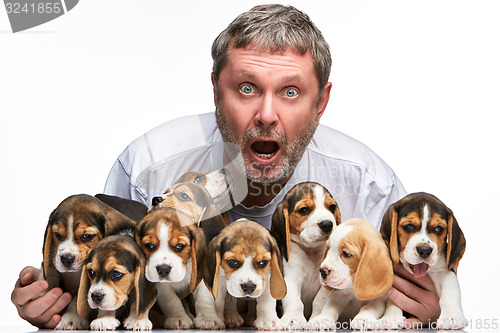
(292, 151)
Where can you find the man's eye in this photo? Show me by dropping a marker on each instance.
(247, 89)
(290, 92)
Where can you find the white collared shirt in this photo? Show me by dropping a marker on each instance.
(361, 182)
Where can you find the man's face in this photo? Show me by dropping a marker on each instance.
(267, 104)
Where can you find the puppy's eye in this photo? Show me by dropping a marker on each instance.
(438, 230)
(179, 247)
(115, 275)
(304, 211)
(87, 237)
(409, 228)
(199, 179)
(183, 197)
(233, 263)
(332, 208)
(262, 263)
(58, 236)
(91, 273)
(346, 254)
(149, 246)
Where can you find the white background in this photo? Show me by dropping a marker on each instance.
(417, 81)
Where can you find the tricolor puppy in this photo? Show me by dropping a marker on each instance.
(423, 234)
(175, 250)
(217, 183)
(73, 229)
(358, 268)
(113, 279)
(251, 268)
(301, 224)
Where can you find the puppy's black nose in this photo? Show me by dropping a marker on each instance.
(424, 251)
(163, 270)
(324, 272)
(326, 226)
(248, 288)
(67, 260)
(97, 297)
(156, 201)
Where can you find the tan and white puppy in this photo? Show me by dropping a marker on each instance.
(113, 278)
(217, 183)
(75, 227)
(301, 224)
(175, 250)
(356, 272)
(423, 234)
(251, 268)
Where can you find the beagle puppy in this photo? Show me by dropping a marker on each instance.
(251, 268)
(77, 224)
(301, 224)
(423, 234)
(113, 277)
(175, 250)
(356, 272)
(217, 183)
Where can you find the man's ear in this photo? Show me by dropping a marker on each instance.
(324, 98)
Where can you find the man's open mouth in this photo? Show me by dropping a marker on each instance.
(419, 270)
(265, 150)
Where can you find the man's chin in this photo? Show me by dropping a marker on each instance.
(269, 174)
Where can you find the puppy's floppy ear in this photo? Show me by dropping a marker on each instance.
(48, 246)
(114, 221)
(277, 282)
(212, 266)
(145, 291)
(456, 242)
(198, 250)
(280, 228)
(130, 208)
(336, 214)
(389, 231)
(374, 275)
(82, 304)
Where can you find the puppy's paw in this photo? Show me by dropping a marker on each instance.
(178, 323)
(72, 321)
(104, 324)
(233, 319)
(452, 321)
(322, 322)
(133, 323)
(365, 321)
(208, 322)
(294, 321)
(391, 322)
(268, 323)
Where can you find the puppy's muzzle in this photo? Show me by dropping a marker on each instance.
(424, 251)
(156, 201)
(163, 270)
(67, 260)
(97, 297)
(326, 226)
(248, 288)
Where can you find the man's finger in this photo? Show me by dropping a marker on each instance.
(37, 307)
(22, 295)
(400, 294)
(52, 323)
(51, 317)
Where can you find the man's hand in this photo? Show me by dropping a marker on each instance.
(415, 296)
(42, 312)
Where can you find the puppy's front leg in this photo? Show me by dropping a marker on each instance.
(267, 318)
(71, 320)
(105, 321)
(327, 307)
(173, 310)
(452, 315)
(133, 322)
(393, 317)
(368, 316)
(293, 308)
(206, 315)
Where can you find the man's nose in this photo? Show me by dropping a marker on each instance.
(267, 115)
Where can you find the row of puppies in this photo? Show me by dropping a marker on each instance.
(305, 219)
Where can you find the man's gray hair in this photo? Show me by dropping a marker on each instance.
(273, 28)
